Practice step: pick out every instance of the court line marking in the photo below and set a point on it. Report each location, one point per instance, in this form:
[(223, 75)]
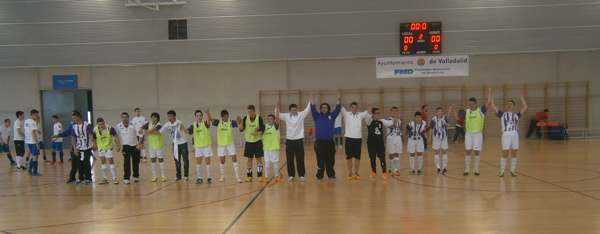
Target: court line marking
[(252, 201), (541, 180)]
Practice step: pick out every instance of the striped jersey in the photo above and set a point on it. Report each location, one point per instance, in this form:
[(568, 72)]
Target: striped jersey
[(395, 131), (416, 131), (509, 121), (81, 133), (439, 126)]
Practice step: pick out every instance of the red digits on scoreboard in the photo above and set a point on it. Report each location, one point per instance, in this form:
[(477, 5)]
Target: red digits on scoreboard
[(409, 40), (436, 38), (405, 48), (418, 26), (421, 36), (436, 47)]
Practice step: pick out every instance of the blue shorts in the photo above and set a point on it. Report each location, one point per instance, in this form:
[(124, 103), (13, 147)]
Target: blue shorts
[(337, 131), (42, 146), (4, 149), (57, 146), (33, 150)]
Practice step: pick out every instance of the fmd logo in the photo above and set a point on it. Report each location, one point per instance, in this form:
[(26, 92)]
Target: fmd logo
[(403, 71)]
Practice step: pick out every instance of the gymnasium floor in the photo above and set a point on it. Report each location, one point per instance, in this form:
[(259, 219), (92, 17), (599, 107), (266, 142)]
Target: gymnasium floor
[(557, 191)]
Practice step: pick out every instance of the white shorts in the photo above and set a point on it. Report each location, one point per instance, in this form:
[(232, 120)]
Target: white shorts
[(203, 152), (474, 141), (223, 151), (510, 140), (272, 155), (440, 143), (394, 145), (160, 153), (105, 153), (415, 145)]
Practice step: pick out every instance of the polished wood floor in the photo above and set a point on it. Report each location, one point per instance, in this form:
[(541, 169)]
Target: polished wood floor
[(557, 191)]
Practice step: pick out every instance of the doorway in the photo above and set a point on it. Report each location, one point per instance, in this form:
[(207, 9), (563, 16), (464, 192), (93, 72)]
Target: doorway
[(62, 103)]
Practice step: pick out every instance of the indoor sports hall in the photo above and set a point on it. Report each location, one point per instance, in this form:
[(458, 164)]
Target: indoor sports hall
[(123, 116)]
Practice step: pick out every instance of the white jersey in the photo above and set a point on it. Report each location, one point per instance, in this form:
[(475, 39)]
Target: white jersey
[(353, 123), (509, 121), (40, 134), (174, 129), (338, 122), (127, 134), (138, 122), (395, 131), (5, 132), (57, 130), (18, 125), (29, 126)]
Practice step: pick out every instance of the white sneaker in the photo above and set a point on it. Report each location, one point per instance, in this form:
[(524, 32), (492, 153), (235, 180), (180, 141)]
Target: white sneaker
[(302, 179), (291, 179), (126, 182), (185, 179), (222, 179), (239, 180), (136, 179)]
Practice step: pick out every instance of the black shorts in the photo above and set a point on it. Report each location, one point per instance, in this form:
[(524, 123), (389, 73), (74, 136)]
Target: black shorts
[(20, 148), (353, 148), (254, 150)]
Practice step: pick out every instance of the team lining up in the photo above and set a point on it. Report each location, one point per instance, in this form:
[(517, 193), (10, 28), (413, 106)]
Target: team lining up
[(262, 141)]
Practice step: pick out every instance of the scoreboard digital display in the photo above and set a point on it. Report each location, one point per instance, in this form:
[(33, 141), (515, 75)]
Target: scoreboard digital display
[(421, 38)]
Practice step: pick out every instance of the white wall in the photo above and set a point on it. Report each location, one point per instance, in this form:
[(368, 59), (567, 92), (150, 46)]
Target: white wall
[(187, 87)]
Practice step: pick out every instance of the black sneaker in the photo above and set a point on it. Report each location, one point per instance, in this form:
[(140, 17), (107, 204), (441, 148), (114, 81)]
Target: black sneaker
[(476, 172), (439, 171), (70, 181), (444, 171), (466, 172), (319, 179)]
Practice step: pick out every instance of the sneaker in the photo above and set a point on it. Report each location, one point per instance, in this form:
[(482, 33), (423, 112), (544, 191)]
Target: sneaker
[(185, 179), (384, 176), (357, 177), (222, 179), (420, 172), (154, 179), (397, 173), (277, 179), (444, 171), (350, 177), (513, 174), (439, 171), (60, 163), (265, 180), (373, 174), (427, 149), (176, 179), (466, 172), (78, 182), (248, 179), (501, 174), (260, 178), (164, 179), (209, 181), (136, 179), (291, 179), (126, 182), (103, 181), (339, 146), (115, 181), (302, 179), (199, 181), (239, 180), (319, 179), (145, 160), (88, 182), (53, 162), (36, 174), (70, 181), (13, 163), (476, 172), (411, 172), (333, 178)]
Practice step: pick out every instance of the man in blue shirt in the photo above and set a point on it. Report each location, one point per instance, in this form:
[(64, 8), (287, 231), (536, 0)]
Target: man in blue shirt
[(324, 144)]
